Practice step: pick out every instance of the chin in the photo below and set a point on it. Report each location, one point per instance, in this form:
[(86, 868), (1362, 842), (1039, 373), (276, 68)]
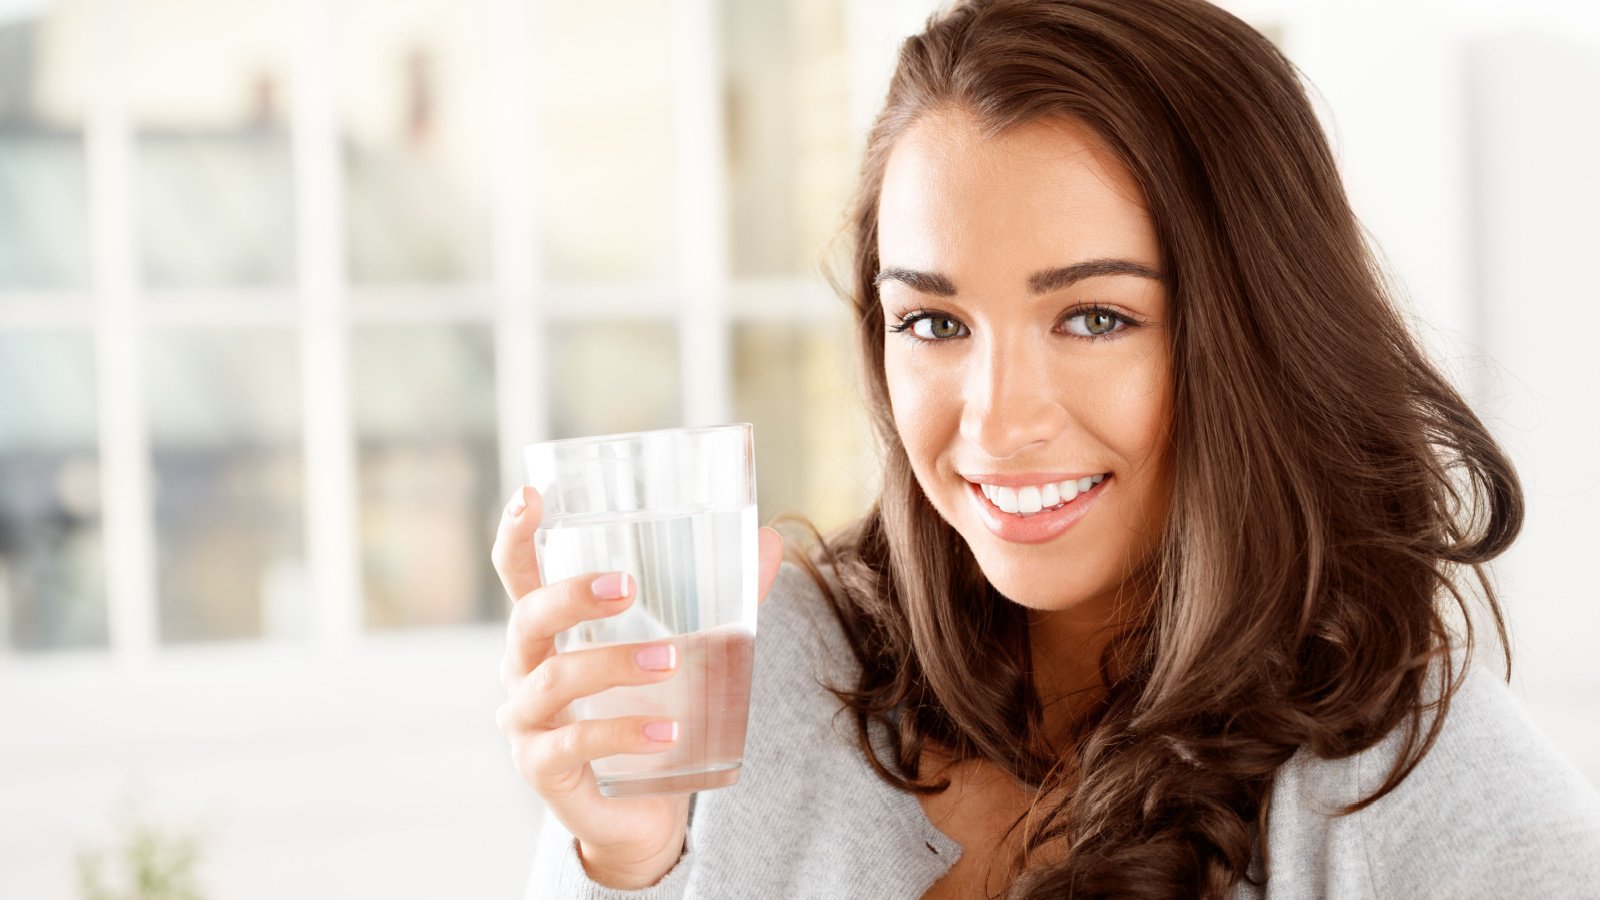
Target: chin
[(1026, 583)]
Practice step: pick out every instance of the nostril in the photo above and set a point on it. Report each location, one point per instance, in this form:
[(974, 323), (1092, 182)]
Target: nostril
[(1018, 425)]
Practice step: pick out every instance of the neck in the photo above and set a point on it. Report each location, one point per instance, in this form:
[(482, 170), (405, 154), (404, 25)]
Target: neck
[(1066, 647)]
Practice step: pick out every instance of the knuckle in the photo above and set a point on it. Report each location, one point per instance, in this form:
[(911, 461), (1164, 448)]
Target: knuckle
[(539, 766), (578, 591), (547, 679), (629, 732), (523, 622), (526, 610), (623, 667), (570, 741), (514, 621)]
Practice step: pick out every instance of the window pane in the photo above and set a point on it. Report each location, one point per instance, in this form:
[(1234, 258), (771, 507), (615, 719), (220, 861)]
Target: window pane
[(44, 225), (225, 439), (414, 104), (608, 377), (790, 160), (210, 86), (425, 413), (814, 455), (52, 578), (606, 166)]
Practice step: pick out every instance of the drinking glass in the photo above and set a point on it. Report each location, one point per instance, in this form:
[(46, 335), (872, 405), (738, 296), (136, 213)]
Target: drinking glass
[(675, 509)]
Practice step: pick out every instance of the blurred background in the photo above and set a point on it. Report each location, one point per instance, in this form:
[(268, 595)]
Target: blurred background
[(284, 285)]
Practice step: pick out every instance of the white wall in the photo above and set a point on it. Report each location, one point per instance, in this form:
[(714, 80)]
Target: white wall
[(1466, 133), (1535, 140), (376, 774)]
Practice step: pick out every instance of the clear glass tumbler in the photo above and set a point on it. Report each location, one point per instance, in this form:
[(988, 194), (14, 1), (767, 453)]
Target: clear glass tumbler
[(676, 509)]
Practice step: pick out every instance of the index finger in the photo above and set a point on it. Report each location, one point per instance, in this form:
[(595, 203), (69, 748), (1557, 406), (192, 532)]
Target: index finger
[(535, 622), (513, 555)]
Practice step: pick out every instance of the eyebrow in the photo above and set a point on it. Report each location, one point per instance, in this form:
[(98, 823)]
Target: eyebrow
[(1039, 282)]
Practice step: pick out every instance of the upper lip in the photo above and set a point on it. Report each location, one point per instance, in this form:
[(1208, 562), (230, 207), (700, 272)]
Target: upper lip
[(1025, 479)]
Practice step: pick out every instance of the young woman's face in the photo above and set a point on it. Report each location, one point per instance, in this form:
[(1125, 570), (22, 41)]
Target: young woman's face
[(1034, 352)]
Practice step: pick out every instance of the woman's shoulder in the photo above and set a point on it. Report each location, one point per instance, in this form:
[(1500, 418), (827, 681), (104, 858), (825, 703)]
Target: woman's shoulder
[(825, 824), (1492, 804), (796, 624)]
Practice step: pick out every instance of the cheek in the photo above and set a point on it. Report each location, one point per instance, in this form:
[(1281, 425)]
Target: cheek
[(1138, 422), (1124, 398), (921, 402)]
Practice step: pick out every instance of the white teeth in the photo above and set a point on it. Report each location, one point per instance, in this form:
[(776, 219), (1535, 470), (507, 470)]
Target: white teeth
[(1028, 501), (1050, 495), (1005, 498)]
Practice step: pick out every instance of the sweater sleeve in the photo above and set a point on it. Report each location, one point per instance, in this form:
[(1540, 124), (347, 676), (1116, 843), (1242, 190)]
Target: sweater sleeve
[(558, 872), (1497, 811)]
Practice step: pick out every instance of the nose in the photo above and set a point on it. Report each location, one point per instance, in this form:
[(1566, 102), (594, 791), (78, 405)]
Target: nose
[(1012, 400)]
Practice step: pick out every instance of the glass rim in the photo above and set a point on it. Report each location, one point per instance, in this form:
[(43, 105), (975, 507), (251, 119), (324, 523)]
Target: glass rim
[(635, 435)]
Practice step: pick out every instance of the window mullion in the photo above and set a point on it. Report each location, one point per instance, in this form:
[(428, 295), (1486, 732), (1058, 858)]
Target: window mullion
[(522, 409), (124, 432), (702, 213), (331, 536)]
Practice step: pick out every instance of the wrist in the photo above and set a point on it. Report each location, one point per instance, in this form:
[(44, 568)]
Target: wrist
[(630, 874)]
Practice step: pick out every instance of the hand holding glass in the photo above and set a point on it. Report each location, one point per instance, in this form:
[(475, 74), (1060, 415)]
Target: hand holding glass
[(675, 509)]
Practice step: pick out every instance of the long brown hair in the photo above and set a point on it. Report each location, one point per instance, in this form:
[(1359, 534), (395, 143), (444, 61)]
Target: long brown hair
[(1327, 481)]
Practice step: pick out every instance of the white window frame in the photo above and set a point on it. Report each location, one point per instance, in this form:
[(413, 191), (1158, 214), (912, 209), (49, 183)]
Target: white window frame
[(322, 307)]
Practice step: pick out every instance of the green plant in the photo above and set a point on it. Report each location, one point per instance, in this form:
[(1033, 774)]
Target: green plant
[(150, 864)]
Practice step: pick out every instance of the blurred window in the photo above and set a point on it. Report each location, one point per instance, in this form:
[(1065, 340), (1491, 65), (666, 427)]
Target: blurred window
[(413, 102), (210, 85), (225, 429), (424, 409), (795, 385), (400, 392), (790, 162), (44, 221), (51, 567), (606, 171), (610, 377)]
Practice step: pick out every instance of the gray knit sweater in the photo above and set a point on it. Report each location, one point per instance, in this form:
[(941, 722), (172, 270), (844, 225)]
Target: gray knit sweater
[(1493, 811)]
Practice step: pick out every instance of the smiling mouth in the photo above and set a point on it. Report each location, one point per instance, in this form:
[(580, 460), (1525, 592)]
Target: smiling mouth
[(1032, 500)]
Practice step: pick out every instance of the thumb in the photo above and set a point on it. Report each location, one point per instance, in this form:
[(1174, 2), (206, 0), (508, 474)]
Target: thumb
[(770, 553)]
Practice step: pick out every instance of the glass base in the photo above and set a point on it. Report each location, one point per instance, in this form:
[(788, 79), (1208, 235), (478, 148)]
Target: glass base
[(651, 784)]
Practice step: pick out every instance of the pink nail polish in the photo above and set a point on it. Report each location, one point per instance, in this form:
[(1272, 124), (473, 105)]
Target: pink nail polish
[(661, 731), (611, 586), (656, 656)]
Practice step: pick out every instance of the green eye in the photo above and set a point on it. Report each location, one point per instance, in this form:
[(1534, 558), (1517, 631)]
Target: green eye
[(1100, 324), (939, 328)]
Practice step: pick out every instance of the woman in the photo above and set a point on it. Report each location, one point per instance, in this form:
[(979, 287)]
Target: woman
[(1152, 601)]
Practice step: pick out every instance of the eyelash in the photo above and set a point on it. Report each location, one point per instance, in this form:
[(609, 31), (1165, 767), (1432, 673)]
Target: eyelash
[(908, 319)]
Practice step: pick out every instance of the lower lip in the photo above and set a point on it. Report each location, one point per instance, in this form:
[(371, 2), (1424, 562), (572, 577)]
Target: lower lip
[(1039, 527)]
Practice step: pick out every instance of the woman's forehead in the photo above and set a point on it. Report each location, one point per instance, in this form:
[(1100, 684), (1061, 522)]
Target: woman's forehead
[(1040, 195)]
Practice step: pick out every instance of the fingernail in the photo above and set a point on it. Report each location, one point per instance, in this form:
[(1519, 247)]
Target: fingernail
[(661, 731), (611, 586), (655, 656), (518, 504)]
